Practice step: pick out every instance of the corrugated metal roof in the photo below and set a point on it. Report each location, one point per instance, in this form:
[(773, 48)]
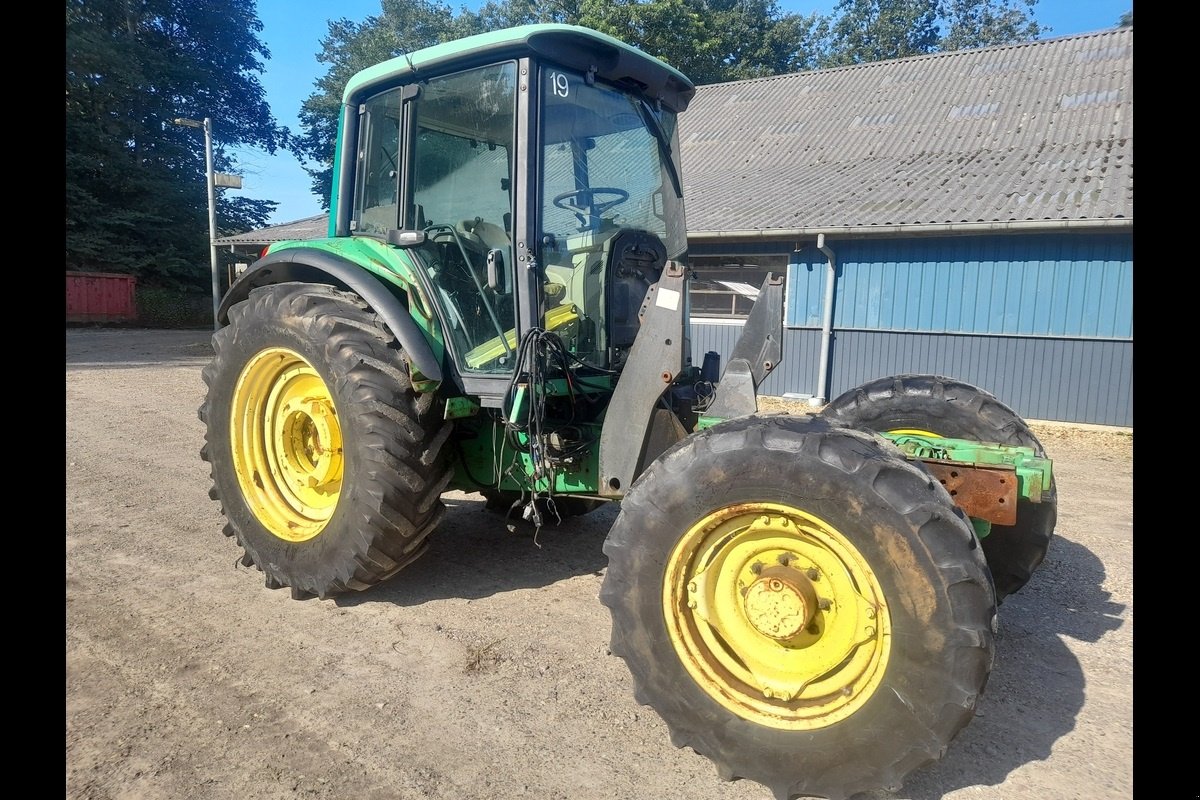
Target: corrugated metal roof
[(1027, 133), (308, 228)]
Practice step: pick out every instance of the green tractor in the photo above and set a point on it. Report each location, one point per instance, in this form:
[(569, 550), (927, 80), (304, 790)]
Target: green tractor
[(501, 307)]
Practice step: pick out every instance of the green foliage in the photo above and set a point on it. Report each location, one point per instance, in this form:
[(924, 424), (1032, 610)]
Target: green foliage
[(972, 23), (136, 192), (874, 30), (711, 40), (1126, 20)]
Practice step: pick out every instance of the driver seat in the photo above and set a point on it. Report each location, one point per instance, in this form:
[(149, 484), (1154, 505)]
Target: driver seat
[(492, 235)]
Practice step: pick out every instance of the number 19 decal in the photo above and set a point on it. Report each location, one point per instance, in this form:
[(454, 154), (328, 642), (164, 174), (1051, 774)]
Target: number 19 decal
[(559, 85)]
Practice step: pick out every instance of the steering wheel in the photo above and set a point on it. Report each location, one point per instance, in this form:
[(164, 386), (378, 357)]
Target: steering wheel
[(596, 208)]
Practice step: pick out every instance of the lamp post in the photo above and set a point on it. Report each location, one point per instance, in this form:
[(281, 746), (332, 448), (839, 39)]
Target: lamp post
[(212, 208)]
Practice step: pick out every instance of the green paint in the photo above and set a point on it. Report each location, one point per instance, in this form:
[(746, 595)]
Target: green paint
[(491, 459), (459, 407), (518, 412), (337, 175), (397, 268), (982, 527)]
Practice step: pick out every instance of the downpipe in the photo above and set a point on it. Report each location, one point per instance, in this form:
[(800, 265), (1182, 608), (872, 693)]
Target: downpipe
[(822, 395)]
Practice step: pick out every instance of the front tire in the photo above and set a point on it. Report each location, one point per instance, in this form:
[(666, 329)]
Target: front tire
[(800, 604), (948, 408), (328, 465)]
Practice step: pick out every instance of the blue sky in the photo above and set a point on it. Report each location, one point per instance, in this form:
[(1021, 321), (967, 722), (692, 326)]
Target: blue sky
[(292, 31)]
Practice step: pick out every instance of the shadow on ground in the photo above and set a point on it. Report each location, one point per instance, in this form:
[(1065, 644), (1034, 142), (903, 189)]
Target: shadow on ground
[(1037, 685), (473, 555)]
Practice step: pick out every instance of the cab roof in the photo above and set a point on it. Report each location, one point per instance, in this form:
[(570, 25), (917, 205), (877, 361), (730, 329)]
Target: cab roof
[(569, 46)]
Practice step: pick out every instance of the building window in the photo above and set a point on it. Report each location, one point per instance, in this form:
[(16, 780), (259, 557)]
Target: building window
[(725, 287)]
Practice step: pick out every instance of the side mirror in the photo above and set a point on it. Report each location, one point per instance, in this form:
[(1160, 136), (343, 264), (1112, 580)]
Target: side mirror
[(495, 271), (399, 238)]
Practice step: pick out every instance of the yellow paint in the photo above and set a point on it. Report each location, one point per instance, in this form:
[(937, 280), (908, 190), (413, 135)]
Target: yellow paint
[(914, 432), (776, 616), (287, 444), (493, 349)]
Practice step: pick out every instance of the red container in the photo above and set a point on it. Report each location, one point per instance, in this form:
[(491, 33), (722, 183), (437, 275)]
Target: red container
[(101, 297)]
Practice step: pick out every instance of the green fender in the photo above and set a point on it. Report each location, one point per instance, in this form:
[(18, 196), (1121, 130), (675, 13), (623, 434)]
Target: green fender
[(311, 265)]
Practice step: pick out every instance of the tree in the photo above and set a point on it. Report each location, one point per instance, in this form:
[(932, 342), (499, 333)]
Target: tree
[(983, 23), (136, 193), (712, 41), (402, 27), (1126, 20), (873, 30)]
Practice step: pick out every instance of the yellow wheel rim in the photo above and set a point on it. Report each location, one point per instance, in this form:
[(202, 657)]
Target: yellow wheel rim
[(287, 444), (914, 432), (777, 616)]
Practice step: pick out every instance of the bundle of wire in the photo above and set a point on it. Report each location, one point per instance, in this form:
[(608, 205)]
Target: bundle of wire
[(542, 356)]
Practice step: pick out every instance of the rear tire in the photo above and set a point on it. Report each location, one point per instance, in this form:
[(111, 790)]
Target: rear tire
[(801, 605), (950, 408), (328, 465)]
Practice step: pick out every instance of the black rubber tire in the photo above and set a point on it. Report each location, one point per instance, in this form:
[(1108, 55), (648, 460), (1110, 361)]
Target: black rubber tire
[(942, 603), (959, 410), (395, 466), (501, 502)]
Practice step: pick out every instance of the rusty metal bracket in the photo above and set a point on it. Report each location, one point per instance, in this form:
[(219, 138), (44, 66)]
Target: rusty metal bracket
[(984, 492)]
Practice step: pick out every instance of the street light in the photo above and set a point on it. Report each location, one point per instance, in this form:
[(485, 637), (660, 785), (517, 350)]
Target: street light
[(212, 207)]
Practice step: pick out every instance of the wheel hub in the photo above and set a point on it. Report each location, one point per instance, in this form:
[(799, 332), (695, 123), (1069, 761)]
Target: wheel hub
[(781, 603)]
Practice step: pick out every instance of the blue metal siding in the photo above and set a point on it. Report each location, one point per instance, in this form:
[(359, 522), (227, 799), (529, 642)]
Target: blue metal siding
[(805, 288), (1072, 380), (1043, 321), (797, 370), (1059, 285)]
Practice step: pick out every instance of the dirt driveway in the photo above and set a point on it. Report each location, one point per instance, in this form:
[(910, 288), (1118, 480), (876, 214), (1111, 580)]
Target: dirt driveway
[(482, 671)]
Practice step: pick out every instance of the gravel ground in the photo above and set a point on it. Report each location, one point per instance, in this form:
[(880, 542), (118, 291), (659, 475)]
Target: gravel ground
[(481, 671)]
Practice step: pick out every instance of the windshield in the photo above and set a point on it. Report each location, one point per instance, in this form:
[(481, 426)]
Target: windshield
[(602, 167), (606, 171)]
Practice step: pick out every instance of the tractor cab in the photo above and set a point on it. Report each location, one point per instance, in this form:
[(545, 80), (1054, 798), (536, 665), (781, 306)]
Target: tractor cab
[(532, 176)]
